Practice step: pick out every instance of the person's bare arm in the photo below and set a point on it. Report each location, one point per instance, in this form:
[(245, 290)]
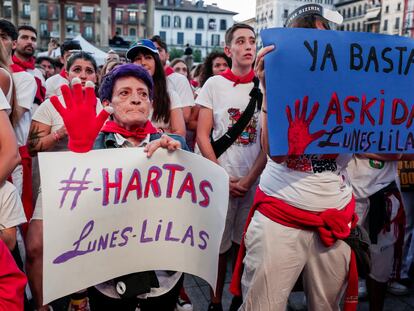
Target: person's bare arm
[(8, 236), (177, 123), (382, 156), (407, 157), (192, 123), (9, 154), (41, 137)]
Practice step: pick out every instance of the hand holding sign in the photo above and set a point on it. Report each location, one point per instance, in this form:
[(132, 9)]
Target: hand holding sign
[(79, 117), (298, 132)]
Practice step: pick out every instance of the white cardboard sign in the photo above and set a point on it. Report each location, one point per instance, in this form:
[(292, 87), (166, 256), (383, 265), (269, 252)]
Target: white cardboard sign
[(112, 212)]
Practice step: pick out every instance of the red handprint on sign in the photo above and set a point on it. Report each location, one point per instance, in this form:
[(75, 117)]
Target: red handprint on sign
[(298, 133), (79, 116)]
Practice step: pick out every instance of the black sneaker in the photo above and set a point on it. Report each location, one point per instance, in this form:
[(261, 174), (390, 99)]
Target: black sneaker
[(236, 302), (215, 307)]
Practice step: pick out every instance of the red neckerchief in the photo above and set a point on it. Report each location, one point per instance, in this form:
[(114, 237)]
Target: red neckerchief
[(15, 68), (140, 133), (229, 75), (168, 70), (64, 74), (30, 64), (331, 225)]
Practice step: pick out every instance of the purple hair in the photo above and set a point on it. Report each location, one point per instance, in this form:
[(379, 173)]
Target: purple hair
[(126, 70)]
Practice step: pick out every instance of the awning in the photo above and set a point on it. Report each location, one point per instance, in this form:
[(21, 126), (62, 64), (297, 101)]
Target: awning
[(373, 13)]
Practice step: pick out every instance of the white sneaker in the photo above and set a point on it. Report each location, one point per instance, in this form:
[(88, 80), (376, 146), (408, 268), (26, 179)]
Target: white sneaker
[(362, 289), (397, 289)]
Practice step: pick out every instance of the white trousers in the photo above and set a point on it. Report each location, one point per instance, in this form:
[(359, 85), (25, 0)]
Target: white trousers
[(275, 257)]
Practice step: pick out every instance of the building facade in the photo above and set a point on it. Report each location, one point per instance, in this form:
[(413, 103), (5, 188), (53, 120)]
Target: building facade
[(183, 22), (392, 16), (80, 18), (408, 21), (273, 13)]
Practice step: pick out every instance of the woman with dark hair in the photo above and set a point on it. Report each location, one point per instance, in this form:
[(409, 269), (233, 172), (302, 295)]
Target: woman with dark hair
[(167, 113), (48, 133), (180, 67), (214, 64)]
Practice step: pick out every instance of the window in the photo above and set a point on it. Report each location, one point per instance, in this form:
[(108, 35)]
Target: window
[(359, 26), (88, 32), (212, 24), (349, 12), (118, 30), (43, 11), (132, 17), (223, 24), (215, 40), (353, 27), (43, 30), (387, 9), (200, 23), (397, 23), (118, 15), (180, 38), (177, 22), (26, 9), (189, 23), (360, 10), (163, 36), (132, 32), (285, 13), (165, 21), (70, 12), (399, 6), (385, 25), (354, 11), (198, 39)]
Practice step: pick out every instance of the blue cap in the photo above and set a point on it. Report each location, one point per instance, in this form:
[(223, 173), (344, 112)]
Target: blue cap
[(140, 45)]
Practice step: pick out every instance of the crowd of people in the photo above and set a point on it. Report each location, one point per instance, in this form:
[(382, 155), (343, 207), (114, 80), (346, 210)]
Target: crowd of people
[(287, 226)]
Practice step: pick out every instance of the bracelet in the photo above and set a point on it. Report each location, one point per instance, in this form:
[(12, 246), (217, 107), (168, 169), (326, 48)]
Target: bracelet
[(56, 136), (264, 110)]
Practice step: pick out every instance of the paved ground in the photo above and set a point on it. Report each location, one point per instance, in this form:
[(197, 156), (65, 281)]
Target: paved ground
[(199, 292)]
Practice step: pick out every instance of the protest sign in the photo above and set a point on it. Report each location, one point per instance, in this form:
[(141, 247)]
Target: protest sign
[(332, 92), (112, 212), (406, 173)]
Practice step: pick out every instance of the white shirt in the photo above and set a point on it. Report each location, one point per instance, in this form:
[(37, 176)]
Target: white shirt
[(228, 102), (180, 84), (309, 182), (11, 208), (4, 103), (53, 85), (369, 176)]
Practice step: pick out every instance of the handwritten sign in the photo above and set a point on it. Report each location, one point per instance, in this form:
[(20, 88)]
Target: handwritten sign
[(113, 212), (339, 92), (406, 173)]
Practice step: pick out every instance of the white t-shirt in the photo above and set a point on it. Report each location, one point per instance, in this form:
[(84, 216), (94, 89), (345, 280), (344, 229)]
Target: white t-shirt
[(182, 87), (11, 208), (369, 176), (309, 182), (53, 85), (228, 102), (4, 103), (175, 104), (26, 86)]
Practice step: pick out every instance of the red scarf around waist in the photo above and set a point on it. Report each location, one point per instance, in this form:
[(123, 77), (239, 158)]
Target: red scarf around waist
[(229, 75), (331, 225), (140, 133)]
